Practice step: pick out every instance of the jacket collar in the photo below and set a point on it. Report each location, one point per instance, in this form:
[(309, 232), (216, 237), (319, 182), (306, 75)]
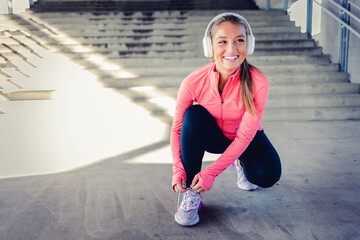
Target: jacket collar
[(215, 76)]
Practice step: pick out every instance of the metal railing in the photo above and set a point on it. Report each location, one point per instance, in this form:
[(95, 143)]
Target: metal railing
[(344, 23), (343, 19)]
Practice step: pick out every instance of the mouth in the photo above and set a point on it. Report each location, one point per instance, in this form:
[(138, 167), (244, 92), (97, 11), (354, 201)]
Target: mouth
[(231, 58)]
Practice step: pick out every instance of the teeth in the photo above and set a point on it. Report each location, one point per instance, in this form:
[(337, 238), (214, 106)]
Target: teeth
[(231, 58)]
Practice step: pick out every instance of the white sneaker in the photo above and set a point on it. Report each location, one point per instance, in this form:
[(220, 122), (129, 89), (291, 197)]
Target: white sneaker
[(242, 182), (187, 213)]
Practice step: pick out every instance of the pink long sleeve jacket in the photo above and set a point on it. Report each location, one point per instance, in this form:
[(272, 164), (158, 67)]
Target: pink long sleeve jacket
[(237, 124)]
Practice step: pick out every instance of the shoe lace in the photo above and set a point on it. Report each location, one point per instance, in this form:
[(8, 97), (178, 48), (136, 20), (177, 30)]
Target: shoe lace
[(189, 200), (179, 196)]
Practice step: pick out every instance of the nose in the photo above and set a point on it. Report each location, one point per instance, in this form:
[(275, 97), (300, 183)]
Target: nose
[(231, 48)]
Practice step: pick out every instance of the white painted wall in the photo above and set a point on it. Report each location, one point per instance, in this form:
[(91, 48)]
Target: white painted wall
[(18, 6), (3, 6)]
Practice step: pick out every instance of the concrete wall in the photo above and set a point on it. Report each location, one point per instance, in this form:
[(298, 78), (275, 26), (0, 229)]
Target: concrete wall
[(328, 39)]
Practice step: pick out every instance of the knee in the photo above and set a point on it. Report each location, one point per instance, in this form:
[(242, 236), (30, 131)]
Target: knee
[(265, 177), (195, 113)]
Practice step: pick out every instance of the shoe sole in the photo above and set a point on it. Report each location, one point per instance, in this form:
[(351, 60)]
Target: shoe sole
[(246, 189), (192, 223)]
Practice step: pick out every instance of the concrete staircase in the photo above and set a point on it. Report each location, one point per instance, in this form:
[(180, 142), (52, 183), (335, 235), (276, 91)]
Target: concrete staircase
[(159, 48)]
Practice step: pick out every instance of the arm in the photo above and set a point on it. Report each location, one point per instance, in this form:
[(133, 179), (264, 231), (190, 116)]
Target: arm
[(247, 130), (184, 100)]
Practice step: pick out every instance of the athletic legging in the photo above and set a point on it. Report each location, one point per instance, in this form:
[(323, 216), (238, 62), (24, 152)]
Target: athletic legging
[(200, 133)]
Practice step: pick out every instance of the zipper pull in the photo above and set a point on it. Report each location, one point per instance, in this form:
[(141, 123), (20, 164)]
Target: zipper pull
[(222, 101)]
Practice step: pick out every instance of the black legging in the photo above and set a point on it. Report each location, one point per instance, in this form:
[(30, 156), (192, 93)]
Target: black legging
[(200, 133)]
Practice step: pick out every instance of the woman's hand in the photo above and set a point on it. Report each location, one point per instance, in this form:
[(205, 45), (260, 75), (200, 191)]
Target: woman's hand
[(177, 186), (195, 185)]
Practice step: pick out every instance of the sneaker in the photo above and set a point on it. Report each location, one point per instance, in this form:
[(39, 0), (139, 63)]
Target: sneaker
[(242, 182), (187, 213)]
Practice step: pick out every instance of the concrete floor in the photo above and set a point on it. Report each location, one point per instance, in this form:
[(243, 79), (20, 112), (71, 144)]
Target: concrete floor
[(128, 196)]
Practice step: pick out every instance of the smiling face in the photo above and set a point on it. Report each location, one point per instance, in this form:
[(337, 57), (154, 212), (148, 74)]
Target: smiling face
[(229, 47)]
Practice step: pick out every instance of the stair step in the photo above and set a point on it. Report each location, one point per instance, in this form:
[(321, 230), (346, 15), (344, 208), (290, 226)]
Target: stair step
[(163, 46), (184, 53), (22, 95), (149, 37), (312, 114), (284, 101), (184, 71), (80, 30), (313, 88), (296, 101), (175, 81), (160, 25), (282, 20), (248, 14), (258, 61), (174, 13)]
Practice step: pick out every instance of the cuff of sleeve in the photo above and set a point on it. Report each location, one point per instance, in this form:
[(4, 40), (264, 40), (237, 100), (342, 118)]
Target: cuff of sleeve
[(206, 181), (177, 178)]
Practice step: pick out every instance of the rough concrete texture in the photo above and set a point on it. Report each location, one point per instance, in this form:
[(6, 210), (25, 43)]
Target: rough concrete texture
[(129, 197)]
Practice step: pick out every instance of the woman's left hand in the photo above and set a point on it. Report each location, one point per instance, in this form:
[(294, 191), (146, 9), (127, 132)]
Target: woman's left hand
[(195, 185)]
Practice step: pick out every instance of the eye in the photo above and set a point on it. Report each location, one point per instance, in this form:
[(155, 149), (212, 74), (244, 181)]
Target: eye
[(222, 42), (240, 40)]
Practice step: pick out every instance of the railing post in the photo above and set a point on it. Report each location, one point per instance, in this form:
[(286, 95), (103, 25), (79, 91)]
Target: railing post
[(285, 5), (344, 39), (309, 11), (10, 6), (267, 5)]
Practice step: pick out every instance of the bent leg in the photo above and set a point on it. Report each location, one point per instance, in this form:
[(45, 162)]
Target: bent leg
[(261, 162), (199, 132)]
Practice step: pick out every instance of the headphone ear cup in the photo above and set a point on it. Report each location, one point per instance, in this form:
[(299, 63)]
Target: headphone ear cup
[(207, 47), (251, 46)]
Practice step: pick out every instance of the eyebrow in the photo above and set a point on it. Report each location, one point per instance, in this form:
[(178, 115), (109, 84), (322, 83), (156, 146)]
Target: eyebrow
[(226, 37)]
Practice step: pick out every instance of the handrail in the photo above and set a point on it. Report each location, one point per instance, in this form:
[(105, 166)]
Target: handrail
[(345, 10), (345, 27), (354, 5), (337, 18)]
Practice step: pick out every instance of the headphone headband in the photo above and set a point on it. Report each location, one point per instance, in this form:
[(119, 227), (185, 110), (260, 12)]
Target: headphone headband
[(207, 43)]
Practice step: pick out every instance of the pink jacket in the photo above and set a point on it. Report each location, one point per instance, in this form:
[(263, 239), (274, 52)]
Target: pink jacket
[(201, 86)]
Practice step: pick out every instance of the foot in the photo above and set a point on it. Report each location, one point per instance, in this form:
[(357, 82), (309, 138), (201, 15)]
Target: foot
[(187, 213), (242, 182)]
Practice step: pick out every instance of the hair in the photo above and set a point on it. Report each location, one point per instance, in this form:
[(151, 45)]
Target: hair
[(246, 85)]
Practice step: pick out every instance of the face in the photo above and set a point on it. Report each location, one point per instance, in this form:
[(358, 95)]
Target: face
[(229, 47)]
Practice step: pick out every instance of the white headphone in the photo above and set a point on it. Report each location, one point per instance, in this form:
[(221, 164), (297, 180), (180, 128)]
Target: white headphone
[(207, 44)]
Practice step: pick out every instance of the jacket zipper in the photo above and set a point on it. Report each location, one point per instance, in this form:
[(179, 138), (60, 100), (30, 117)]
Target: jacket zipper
[(221, 113)]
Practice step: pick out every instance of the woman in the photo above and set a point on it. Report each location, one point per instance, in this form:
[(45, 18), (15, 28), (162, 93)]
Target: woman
[(231, 96)]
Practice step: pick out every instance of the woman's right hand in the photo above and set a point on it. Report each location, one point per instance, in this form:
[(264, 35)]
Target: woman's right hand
[(183, 188)]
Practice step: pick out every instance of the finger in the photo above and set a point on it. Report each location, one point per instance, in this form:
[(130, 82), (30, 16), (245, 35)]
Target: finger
[(194, 181), (198, 188), (183, 183), (176, 188)]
